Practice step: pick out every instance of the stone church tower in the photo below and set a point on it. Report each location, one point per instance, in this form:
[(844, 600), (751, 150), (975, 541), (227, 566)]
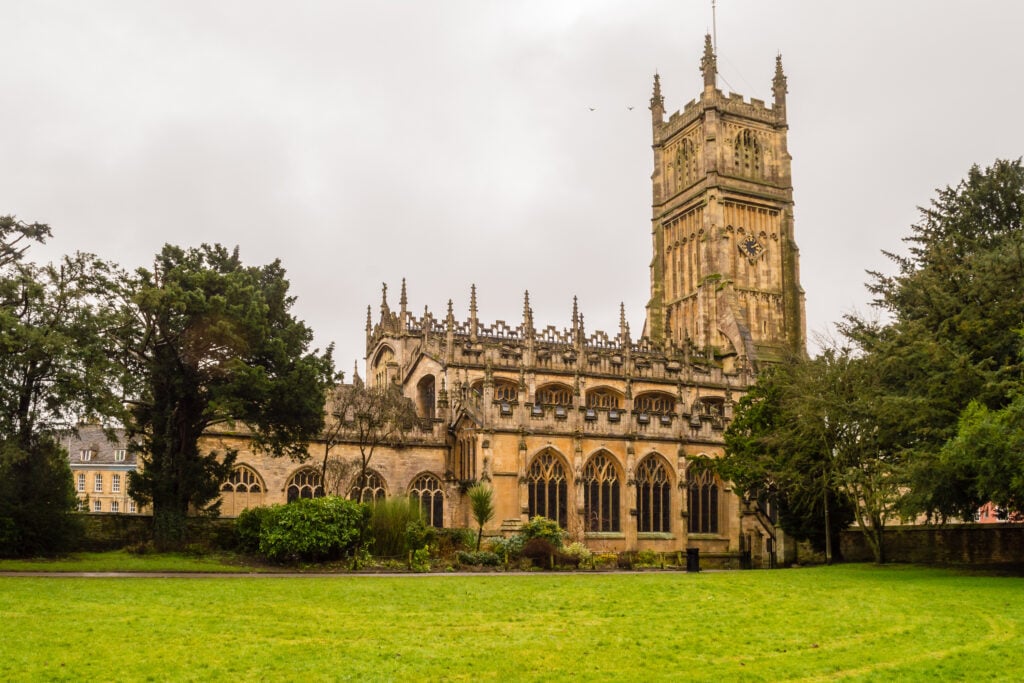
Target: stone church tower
[(725, 272)]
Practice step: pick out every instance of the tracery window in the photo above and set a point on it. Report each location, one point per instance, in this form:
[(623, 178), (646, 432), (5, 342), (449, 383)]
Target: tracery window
[(658, 404), (713, 407), (381, 379), (426, 491), (367, 488), (306, 483), (425, 394), (603, 398), (465, 457), (703, 502), (652, 495), (554, 395), (548, 488), (244, 489), (507, 392), (747, 154), (686, 163), (601, 494)]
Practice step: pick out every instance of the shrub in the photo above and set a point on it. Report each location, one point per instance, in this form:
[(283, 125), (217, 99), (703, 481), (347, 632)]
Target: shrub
[(248, 526), (647, 558), (418, 535), (579, 551), (313, 529), (389, 523), (483, 558), (508, 548), (540, 551), (547, 529), (451, 540), (421, 560)]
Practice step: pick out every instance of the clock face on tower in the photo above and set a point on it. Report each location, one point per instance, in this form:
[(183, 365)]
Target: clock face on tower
[(750, 247)]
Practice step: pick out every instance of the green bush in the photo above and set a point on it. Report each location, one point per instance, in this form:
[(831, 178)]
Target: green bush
[(541, 552), (248, 526), (389, 526), (313, 529), (647, 558), (451, 540), (508, 549), (579, 551), (421, 560), (483, 558), (419, 535), (542, 527)]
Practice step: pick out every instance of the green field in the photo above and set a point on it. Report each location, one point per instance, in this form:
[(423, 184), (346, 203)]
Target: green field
[(855, 622)]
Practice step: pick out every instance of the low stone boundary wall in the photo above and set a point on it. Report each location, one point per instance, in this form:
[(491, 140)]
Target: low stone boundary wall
[(971, 544), (114, 531)]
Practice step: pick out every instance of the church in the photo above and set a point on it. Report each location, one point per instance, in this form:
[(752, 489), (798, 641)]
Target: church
[(598, 431)]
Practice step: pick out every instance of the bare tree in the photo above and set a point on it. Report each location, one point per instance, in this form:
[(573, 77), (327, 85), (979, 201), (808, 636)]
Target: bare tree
[(367, 417)]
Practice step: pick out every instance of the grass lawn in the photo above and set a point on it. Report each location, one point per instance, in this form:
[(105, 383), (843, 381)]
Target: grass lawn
[(122, 561), (856, 622)]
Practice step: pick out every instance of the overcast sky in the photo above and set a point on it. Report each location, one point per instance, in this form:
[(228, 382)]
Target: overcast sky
[(453, 143)]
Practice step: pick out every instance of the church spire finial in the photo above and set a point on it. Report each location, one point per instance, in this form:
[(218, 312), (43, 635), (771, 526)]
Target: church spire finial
[(384, 309), (472, 313), (709, 62), (369, 324), (403, 300), (657, 101), (623, 325), (779, 88)]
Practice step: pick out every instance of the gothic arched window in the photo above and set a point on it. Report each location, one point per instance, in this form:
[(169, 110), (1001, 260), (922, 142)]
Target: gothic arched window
[(652, 495), (505, 391), (554, 395), (603, 398), (548, 488), (425, 397), (381, 379), (686, 163), (306, 483), (243, 489), (747, 154), (367, 488), (465, 458), (601, 493), (655, 403), (426, 490), (703, 502)]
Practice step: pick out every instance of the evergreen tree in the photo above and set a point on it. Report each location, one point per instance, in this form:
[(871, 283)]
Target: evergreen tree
[(54, 370), (209, 341), (956, 306)]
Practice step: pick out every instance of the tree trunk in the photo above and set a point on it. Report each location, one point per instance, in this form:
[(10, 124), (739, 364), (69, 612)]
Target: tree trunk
[(169, 527)]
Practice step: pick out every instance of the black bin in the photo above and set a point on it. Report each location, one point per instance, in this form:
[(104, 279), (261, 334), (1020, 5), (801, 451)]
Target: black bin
[(693, 560)]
